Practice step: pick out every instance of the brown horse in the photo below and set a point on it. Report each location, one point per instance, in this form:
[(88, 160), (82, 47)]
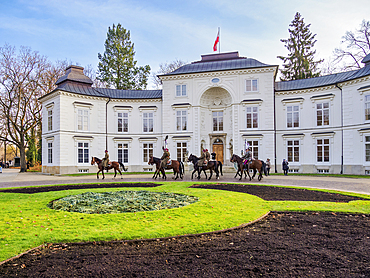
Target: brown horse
[(176, 165), (117, 166), (255, 165)]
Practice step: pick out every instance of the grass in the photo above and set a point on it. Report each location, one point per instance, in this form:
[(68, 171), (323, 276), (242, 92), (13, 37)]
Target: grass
[(27, 222)]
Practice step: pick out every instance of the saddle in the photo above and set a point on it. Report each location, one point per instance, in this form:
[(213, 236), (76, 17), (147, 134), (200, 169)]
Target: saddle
[(169, 162)]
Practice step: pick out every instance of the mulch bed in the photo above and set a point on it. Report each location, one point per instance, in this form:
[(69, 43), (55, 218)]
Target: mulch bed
[(271, 193), (39, 189), (283, 244)]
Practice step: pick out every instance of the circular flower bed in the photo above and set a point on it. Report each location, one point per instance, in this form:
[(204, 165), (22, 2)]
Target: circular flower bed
[(121, 201)]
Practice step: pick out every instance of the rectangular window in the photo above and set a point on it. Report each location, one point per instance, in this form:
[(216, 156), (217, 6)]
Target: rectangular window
[(218, 121), (252, 117), (148, 120), (181, 151), (181, 120), (367, 148), (50, 152), (82, 152), (50, 120), (82, 119), (251, 85), (292, 116), (367, 108), (180, 90), (123, 153), (253, 145), (147, 151), (322, 150), (293, 150), (322, 113), (122, 122)]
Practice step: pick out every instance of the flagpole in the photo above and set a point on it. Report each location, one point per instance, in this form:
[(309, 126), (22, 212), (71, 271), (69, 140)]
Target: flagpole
[(219, 41)]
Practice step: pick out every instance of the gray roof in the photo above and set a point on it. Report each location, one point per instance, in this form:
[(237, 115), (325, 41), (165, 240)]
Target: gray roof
[(108, 93), (205, 66), (321, 81)]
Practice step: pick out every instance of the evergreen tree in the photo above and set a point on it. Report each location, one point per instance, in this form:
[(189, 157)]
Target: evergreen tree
[(117, 67), (300, 62)]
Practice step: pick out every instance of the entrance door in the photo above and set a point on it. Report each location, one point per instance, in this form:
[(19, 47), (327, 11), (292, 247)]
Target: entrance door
[(219, 150)]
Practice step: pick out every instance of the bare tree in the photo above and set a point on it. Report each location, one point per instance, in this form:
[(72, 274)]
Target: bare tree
[(357, 46), (166, 68), (24, 77)]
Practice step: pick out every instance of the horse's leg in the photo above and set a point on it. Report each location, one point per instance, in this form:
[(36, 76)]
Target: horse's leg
[(210, 174), (97, 174), (205, 173)]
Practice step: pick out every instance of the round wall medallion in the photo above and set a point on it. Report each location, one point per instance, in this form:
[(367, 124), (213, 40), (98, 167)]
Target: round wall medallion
[(215, 80)]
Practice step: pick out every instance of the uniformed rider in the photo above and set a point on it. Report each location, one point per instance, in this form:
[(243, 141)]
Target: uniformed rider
[(105, 160), (165, 157), (204, 158), (247, 156)]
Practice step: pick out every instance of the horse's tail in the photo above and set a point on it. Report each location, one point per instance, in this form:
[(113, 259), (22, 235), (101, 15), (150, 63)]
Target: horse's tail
[(220, 164), (123, 166), (182, 168)]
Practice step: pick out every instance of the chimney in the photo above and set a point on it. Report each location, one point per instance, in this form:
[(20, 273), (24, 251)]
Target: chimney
[(366, 60), (74, 75)]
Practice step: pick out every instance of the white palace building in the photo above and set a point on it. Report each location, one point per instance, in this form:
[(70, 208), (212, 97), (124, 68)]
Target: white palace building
[(222, 102)]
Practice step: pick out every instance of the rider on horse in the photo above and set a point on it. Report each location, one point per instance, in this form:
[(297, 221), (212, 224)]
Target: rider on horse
[(165, 157), (204, 158), (247, 156), (105, 160)]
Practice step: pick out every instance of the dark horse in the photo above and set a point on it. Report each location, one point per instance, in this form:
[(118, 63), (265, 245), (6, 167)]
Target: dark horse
[(176, 165), (117, 166), (255, 165), (211, 166)]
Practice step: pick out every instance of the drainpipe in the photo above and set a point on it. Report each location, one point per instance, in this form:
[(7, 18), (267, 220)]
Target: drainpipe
[(341, 124), (275, 131), (106, 123)]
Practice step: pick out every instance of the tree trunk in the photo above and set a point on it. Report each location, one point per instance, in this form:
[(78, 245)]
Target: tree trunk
[(22, 151), (5, 152)]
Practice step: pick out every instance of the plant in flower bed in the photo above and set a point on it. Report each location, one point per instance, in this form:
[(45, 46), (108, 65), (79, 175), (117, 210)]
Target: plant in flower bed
[(121, 201)]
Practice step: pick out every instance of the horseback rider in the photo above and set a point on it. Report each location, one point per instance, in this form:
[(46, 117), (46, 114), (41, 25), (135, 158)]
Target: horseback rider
[(165, 157), (105, 160), (247, 156), (204, 158)]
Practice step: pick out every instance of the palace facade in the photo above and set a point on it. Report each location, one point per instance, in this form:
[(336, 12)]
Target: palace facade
[(222, 103)]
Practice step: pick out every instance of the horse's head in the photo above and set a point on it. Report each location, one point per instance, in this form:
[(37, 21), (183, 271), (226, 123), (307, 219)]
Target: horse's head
[(233, 158), (151, 160), (92, 160)]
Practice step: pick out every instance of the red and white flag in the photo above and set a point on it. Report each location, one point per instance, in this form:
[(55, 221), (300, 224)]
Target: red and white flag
[(216, 41)]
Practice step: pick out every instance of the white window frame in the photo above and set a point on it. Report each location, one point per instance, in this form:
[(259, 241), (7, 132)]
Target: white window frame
[(49, 113), (293, 146), (148, 150), (320, 100), (50, 151), (255, 148), (254, 111), (181, 90), (148, 122), (367, 107), (182, 150), (325, 142), (124, 147), (293, 110), (123, 116), (85, 108), (251, 85), (182, 118), (292, 138), (322, 109), (217, 118), (50, 119), (83, 147)]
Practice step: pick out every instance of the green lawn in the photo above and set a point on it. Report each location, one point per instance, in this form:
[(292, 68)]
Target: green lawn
[(27, 222)]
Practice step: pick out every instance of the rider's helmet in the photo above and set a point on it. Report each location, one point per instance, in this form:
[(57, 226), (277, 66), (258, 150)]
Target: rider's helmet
[(106, 151), (166, 149), (206, 150)]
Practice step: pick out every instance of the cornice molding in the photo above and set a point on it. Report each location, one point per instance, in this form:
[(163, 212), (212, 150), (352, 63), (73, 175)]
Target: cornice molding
[(218, 73)]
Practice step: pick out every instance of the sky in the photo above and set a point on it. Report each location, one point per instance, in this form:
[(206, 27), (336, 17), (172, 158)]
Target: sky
[(162, 31)]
